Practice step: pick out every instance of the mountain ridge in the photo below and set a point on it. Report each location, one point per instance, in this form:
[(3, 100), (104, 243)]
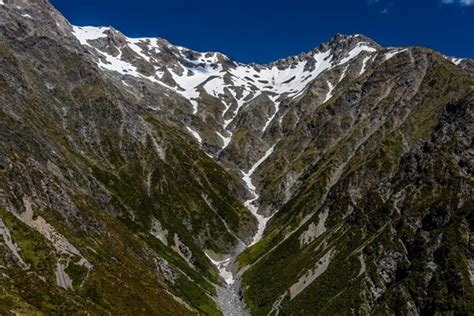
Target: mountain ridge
[(334, 39)]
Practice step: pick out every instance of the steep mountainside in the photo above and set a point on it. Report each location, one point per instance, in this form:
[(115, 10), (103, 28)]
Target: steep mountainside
[(103, 197), (137, 176), (379, 216)]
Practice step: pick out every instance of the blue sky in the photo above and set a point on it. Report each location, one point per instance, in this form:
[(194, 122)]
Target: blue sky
[(264, 30)]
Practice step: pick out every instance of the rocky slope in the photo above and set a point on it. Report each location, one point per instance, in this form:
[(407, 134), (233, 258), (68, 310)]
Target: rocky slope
[(378, 218), (137, 176)]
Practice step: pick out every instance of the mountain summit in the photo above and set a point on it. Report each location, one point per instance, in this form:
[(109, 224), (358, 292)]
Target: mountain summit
[(140, 177)]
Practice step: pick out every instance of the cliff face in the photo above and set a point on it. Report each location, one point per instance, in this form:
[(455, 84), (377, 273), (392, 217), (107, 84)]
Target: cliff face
[(133, 172)]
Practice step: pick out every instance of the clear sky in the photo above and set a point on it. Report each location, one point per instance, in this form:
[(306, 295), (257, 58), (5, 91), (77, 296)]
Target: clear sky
[(264, 30)]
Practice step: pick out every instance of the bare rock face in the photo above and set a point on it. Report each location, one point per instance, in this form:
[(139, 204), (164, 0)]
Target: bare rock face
[(335, 181)]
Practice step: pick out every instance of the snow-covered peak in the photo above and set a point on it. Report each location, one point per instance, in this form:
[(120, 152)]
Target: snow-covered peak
[(88, 33), (190, 73), (455, 61)]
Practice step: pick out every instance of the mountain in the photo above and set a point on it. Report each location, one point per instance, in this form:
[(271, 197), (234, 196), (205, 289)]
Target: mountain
[(137, 176)]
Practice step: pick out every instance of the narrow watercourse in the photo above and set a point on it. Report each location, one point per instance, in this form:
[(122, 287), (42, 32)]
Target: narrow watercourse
[(229, 295)]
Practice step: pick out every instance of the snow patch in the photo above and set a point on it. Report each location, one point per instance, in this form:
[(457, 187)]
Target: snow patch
[(133, 44), (204, 71), (456, 61), (225, 140), (88, 33), (191, 78), (195, 134), (222, 267), (359, 48), (116, 64), (364, 65), (248, 176), (277, 109), (393, 53), (343, 75), (329, 94)]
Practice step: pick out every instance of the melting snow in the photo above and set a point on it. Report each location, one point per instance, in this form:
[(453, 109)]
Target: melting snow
[(88, 33), (359, 48), (343, 75), (133, 44), (277, 108), (222, 267), (364, 65), (393, 53), (247, 178), (290, 80), (225, 140), (195, 134), (243, 82), (215, 87), (456, 61), (116, 64), (329, 94), (112, 63), (191, 79)]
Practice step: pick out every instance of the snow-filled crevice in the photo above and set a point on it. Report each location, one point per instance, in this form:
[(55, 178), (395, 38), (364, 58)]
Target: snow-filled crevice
[(247, 178), (225, 139), (393, 52), (195, 134), (329, 94), (222, 267), (364, 65)]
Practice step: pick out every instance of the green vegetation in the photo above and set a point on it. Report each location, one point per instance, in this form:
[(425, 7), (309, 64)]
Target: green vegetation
[(396, 179), (386, 159)]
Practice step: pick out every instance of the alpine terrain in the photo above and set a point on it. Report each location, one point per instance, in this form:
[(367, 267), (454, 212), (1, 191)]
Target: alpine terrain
[(140, 177)]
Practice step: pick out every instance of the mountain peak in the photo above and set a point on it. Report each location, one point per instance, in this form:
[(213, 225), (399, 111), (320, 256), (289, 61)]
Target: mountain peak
[(188, 72)]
